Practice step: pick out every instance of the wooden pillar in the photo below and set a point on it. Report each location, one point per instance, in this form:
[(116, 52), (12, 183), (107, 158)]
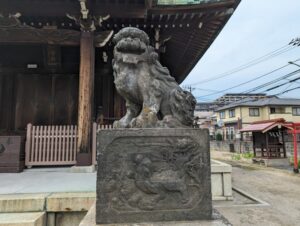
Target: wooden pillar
[(295, 140), (283, 144), (267, 145), (86, 99)]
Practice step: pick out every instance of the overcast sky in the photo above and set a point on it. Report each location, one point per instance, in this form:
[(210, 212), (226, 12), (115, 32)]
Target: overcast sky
[(256, 28)]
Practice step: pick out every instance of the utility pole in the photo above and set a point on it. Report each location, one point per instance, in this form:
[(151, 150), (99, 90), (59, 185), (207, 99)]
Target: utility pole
[(189, 88), (291, 62), (295, 42)]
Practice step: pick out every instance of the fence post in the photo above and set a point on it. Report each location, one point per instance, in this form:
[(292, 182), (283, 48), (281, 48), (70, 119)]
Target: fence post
[(28, 145)]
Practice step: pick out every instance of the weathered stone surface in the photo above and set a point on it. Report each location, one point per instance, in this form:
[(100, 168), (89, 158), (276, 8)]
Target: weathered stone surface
[(23, 219), (153, 97), (148, 175), (221, 185), (83, 169), (217, 220), (70, 202), (22, 203)]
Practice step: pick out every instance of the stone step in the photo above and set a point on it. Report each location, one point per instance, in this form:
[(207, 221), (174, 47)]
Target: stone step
[(23, 219), (18, 203), (56, 202)]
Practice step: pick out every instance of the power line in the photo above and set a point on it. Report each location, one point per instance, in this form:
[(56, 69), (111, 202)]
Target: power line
[(251, 80), (249, 64), (293, 43), (286, 91), (273, 81), (207, 90)]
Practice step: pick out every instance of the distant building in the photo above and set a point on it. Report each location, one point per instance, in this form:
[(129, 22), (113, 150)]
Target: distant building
[(206, 106), (235, 97), (235, 116), (206, 120)]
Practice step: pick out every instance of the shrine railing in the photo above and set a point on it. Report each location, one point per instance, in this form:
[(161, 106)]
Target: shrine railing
[(55, 145), (50, 145)]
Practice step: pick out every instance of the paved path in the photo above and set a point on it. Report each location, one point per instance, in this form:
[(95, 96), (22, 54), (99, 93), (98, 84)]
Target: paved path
[(46, 180), (278, 188)]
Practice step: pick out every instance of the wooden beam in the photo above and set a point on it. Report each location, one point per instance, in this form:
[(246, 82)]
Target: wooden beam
[(62, 37), (166, 9), (86, 98), (39, 36), (60, 8)]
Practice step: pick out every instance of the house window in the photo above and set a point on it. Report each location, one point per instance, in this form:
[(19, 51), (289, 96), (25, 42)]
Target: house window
[(277, 110), (296, 111), (254, 112), (231, 113), (222, 114)]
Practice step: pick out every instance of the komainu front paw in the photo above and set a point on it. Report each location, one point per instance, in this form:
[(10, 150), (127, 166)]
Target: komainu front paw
[(121, 124), (145, 120)]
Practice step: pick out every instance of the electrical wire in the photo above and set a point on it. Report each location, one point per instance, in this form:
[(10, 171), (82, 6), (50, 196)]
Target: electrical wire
[(272, 82), (286, 91), (249, 64), (243, 83)]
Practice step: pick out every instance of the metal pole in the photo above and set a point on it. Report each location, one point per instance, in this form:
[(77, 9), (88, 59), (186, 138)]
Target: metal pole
[(296, 170)]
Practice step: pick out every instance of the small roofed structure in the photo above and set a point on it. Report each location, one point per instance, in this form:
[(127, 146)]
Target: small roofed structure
[(268, 138)]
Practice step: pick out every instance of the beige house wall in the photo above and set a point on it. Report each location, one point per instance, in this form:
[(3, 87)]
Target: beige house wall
[(243, 114)]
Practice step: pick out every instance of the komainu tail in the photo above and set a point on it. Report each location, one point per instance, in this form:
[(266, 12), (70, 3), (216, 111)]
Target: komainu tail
[(182, 105)]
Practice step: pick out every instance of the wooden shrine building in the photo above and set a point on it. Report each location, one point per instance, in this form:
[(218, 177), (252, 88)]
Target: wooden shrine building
[(55, 56), (268, 138)]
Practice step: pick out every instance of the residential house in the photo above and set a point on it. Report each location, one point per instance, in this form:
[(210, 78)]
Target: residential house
[(235, 116)]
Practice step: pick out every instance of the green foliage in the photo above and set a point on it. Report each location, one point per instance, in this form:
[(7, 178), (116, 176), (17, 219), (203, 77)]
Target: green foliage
[(291, 159), (219, 137), (248, 155), (236, 157)]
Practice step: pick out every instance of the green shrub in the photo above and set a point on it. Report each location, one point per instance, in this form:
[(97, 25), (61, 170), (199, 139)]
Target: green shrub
[(248, 155), (219, 137), (236, 157)]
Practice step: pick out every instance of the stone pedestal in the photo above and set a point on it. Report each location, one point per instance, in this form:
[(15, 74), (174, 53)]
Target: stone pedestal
[(217, 220), (152, 175)]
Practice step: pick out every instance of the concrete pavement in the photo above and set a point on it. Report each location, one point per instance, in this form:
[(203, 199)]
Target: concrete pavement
[(280, 190), (43, 180)]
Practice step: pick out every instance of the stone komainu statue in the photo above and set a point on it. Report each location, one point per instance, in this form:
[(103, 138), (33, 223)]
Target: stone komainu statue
[(153, 98)]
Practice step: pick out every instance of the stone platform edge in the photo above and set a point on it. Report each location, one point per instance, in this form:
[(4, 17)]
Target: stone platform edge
[(218, 220)]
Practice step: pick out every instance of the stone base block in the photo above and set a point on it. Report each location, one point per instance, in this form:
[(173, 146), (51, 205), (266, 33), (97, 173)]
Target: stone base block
[(221, 180), (217, 220), (153, 175)]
